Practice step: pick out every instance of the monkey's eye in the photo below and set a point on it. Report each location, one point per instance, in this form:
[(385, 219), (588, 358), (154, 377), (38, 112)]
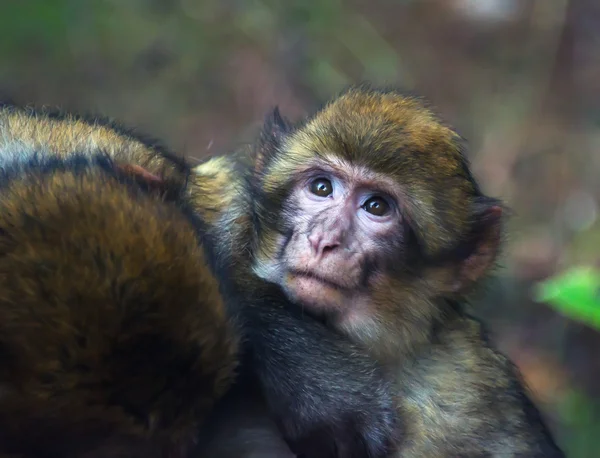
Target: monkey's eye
[(321, 187), (377, 206)]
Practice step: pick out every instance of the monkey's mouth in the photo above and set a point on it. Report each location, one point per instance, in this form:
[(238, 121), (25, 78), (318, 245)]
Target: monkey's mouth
[(315, 277)]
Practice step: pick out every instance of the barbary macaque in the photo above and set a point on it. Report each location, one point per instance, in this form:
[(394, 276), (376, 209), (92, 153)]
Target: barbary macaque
[(367, 216)]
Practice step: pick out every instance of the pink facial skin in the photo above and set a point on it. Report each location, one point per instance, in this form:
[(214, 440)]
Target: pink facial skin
[(341, 218)]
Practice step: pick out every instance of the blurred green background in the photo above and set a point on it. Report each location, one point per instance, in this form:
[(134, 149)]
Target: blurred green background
[(520, 79)]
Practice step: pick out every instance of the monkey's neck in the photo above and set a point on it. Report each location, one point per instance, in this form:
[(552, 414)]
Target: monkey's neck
[(400, 331)]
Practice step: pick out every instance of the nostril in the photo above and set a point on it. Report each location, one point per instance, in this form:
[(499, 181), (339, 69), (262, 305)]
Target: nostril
[(328, 248), (321, 245)]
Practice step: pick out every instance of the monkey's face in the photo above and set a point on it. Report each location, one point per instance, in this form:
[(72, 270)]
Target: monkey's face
[(368, 207), (340, 222)]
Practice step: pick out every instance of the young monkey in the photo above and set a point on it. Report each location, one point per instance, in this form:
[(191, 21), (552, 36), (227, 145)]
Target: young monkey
[(367, 216)]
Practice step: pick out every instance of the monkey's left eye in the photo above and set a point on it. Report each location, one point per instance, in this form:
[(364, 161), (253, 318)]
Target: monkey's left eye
[(321, 187), (377, 206)]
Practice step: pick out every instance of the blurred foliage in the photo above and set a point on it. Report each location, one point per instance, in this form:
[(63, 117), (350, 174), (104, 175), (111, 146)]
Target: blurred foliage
[(575, 293), (519, 78)]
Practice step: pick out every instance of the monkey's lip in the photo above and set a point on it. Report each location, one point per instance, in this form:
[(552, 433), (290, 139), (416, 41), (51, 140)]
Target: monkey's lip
[(319, 278)]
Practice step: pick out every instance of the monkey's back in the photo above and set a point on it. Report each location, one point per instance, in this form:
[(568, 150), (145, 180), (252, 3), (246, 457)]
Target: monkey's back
[(109, 317)]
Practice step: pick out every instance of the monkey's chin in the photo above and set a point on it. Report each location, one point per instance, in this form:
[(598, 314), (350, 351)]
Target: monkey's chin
[(314, 293)]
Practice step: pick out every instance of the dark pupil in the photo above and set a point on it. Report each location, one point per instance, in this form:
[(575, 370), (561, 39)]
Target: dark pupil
[(376, 206), (321, 187)]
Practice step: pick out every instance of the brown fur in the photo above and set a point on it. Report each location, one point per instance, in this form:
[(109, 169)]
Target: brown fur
[(113, 334)]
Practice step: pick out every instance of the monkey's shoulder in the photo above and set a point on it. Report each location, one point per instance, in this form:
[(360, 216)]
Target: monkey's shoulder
[(465, 394), (25, 132)]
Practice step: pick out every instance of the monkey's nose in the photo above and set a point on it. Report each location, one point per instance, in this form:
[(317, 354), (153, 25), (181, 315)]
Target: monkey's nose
[(322, 243)]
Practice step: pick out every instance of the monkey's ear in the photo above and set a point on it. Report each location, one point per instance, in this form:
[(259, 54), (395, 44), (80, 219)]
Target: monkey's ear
[(484, 245), (274, 131), (276, 127), (141, 175)]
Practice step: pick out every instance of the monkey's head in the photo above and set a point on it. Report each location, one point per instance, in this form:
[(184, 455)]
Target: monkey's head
[(369, 206)]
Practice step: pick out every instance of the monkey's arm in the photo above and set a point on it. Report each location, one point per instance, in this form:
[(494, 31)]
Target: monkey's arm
[(329, 399)]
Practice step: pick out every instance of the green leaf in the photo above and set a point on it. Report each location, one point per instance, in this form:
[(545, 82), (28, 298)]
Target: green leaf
[(575, 294)]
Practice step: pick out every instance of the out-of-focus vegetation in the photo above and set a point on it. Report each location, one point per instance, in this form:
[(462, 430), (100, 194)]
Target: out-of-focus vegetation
[(519, 78), (575, 293)]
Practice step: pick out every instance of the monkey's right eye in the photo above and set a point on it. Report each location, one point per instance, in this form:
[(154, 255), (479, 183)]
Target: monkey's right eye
[(321, 187)]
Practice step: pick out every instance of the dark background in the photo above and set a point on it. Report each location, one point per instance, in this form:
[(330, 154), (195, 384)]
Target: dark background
[(520, 80)]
